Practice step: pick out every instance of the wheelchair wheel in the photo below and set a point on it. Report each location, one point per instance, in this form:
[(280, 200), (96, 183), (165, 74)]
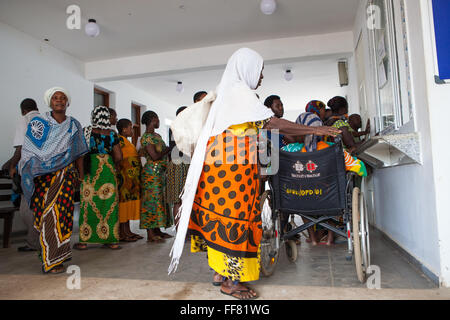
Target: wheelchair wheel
[(357, 235), (291, 250), (365, 243), (270, 241)]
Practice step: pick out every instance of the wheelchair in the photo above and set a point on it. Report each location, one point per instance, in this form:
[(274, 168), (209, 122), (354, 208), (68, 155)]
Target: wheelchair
[(315, 186)]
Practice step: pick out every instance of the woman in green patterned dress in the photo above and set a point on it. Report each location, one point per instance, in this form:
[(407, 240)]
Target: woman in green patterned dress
[(99, 207), (154, 209)]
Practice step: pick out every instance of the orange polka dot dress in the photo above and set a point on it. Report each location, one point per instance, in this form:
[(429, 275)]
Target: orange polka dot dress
[(226, 219)]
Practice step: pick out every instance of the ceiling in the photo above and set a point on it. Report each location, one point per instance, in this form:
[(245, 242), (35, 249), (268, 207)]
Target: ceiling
[(317, 79), (135, 27)]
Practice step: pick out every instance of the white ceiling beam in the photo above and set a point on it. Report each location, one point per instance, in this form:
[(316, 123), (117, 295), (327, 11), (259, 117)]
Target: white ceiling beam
[(212, 57)]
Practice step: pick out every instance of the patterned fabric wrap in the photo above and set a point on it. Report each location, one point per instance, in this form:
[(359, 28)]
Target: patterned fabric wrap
[(333, 119), (310, 119), (176, 177), (226, 219), (341, 123), (49, 146), (129, 179), (351, 163), (103, 144), (337, 122), (314, 106), (99, 210), (154, 210), (99, 120), (53, 205), (99, 214)]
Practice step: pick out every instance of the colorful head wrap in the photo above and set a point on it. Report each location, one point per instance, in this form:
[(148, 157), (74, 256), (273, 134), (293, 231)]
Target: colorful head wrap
[(99, 120), (50, 92), (100, 117), (314, 106)]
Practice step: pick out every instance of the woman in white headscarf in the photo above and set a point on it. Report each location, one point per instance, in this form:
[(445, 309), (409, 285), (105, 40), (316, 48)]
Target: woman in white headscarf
[(222, 184), (51, 166)]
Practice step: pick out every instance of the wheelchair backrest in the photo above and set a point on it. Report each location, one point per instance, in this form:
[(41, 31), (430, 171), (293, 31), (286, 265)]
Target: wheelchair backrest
[(311, 182)]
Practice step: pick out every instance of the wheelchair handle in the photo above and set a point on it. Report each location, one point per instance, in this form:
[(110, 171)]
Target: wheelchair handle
[(338, 139)]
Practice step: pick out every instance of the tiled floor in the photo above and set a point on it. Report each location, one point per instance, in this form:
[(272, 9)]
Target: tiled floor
[(316, 266)]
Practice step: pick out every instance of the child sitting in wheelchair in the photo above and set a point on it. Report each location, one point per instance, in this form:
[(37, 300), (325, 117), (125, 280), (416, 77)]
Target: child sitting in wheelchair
[(313, 117)]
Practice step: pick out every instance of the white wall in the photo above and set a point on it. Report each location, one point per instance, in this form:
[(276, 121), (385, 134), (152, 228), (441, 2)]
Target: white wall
[(313, 80), (405, 196), (438, 97), (124, 94), (352, 89), (28, 68)]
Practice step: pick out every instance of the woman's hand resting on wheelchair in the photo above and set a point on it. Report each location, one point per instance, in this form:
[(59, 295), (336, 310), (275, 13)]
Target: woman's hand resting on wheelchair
[(293, 129)]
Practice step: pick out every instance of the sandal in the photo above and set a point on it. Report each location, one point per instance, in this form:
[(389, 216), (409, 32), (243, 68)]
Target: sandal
[(128, 239), (112, 246), (156, 239), (217, 283), (165, 235), (58, 269), (80, 246), (239, 296)]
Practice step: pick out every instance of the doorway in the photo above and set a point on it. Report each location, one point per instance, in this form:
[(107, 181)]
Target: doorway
[(136, 120)]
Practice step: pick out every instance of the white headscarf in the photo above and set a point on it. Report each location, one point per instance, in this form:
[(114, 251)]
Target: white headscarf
[(236, 103), (50, 92)]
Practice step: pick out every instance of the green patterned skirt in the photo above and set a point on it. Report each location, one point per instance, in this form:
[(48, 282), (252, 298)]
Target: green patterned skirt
[(99, 210), (154, 208)]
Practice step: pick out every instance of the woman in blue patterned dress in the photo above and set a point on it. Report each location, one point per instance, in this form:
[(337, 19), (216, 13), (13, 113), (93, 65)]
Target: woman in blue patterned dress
[(51, 167)]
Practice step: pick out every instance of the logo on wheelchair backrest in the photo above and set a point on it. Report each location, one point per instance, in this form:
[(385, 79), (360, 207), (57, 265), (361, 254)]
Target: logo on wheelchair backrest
[(299, 167), (311, 166)]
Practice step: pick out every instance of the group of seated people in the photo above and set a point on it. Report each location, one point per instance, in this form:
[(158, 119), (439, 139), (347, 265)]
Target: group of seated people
[(317, 114)]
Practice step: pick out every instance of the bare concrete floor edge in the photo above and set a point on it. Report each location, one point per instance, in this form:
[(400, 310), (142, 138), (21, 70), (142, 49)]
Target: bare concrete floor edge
[(39, 287)]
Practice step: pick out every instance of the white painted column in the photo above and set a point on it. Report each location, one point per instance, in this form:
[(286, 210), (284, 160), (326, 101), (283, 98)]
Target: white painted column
[(438, 97)]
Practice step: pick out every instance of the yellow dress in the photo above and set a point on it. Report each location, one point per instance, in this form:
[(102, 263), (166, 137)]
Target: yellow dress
[(129, 176)]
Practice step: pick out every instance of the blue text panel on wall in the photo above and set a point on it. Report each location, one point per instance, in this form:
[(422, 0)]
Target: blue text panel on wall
[(441, 10)]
